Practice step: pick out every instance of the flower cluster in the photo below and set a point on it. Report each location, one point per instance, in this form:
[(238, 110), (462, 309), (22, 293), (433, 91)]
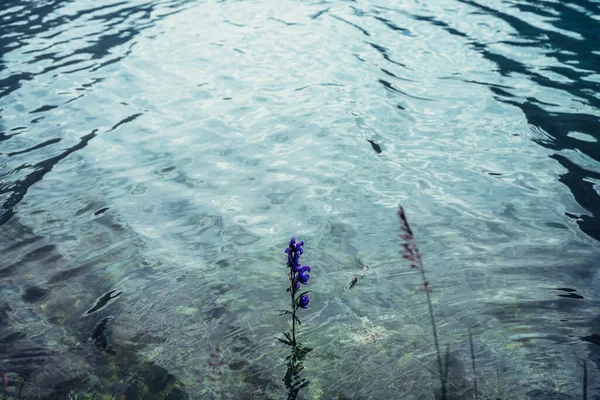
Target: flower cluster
[(410, 251), (298, 273)]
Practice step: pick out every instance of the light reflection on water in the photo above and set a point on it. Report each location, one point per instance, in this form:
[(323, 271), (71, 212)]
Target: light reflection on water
[(167, 150)]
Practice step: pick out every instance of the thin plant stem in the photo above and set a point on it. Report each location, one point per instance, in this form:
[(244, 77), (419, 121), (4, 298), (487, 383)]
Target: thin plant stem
[(436, 373), (435, 335), (585, 380), (411, 253), (294, 308), (21, 389), (473, 364), (447, 367), (431, 316)]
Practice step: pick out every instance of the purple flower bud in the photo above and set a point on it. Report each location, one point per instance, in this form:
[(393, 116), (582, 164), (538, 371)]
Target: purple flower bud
[(304, 268), (303, 277), (303, 301)]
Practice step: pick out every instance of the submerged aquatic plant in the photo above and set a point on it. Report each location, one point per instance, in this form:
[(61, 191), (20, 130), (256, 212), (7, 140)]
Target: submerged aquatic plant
[(297, 274), (292, 379), (410, 252), (216, 366), (585, 380), (472, 348)]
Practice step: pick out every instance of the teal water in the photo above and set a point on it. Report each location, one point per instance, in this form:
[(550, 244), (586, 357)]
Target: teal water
[(157, 156)]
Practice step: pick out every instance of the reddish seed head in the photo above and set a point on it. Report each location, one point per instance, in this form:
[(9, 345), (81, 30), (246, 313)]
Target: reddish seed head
[(402, 214), (404, 221)]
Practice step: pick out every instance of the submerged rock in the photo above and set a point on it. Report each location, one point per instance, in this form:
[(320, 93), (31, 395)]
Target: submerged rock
[(34, 294)]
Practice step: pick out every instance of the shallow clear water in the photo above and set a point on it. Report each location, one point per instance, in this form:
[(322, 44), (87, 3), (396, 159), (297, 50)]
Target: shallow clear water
[(156, 157)]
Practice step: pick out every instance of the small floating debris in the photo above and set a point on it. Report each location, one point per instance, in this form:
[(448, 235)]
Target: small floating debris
[(375, 146), (366, 332), (101, 211), (356, 277)]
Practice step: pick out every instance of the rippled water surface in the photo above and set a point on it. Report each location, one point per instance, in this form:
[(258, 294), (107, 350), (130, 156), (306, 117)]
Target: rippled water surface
[(157, 155)]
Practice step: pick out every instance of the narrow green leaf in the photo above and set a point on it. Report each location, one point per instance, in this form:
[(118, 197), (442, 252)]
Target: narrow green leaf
[(289, 343), (304, 384), (303, 293)]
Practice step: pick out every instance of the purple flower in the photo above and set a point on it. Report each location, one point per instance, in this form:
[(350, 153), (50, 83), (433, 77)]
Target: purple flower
[(303, 277), (295, 247), (303, 301), (304, 268), (303, 274), (294, 251), (299, 274)]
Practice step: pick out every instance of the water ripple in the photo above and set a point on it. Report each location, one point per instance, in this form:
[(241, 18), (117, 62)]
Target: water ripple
[(156, 155)]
